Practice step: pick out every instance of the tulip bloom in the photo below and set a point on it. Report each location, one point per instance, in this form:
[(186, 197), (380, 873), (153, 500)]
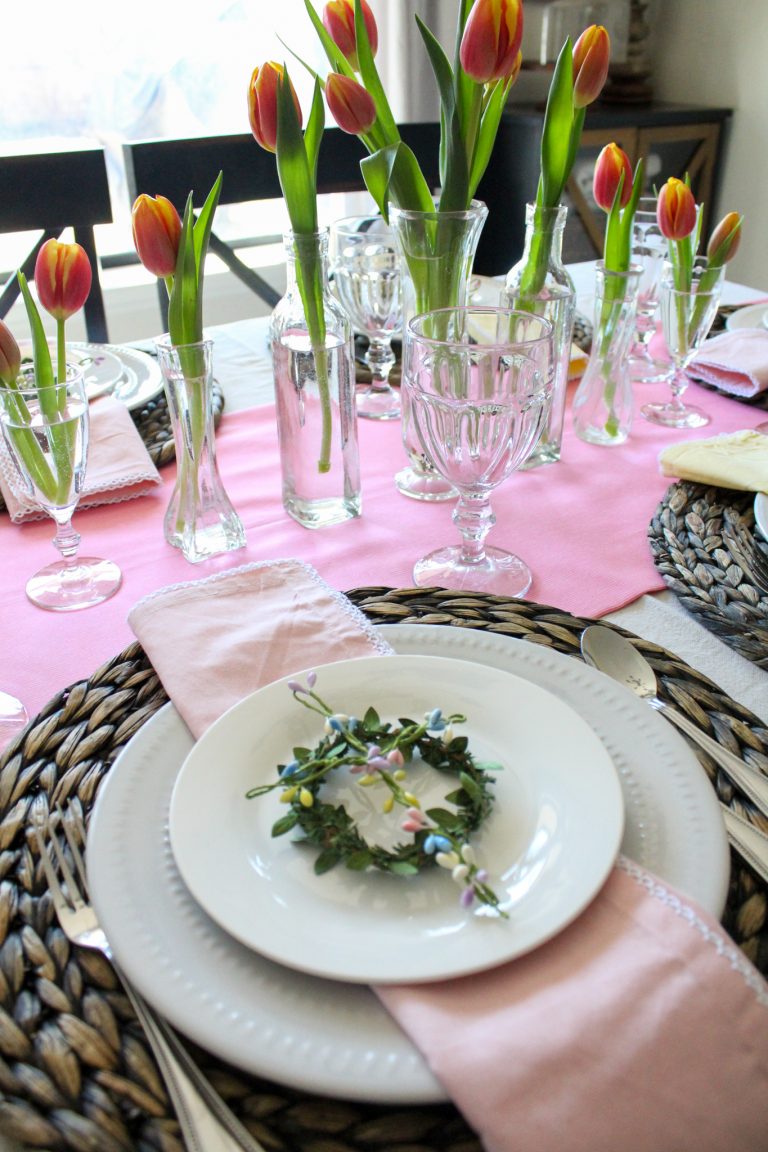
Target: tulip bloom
[(591, 57), (611, 163), (676, 210), (156, 234), (62, 278), (10, 357), (262, 104), (339, 21), (492, 37), (725, 240), (351, 106)]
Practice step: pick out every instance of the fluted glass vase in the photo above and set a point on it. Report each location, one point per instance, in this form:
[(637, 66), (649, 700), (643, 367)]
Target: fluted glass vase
[(200, 519), (539, 283), (602, 406), (436, 250), (313, 368)]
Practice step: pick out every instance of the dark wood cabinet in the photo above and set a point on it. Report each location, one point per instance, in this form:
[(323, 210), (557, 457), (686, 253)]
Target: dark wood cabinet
[(673, 139)]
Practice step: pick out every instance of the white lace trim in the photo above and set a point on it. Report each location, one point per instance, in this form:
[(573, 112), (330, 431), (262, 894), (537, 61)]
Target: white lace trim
[(355, 615), (730, 952)]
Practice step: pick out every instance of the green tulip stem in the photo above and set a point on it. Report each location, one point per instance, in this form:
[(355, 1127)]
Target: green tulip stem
[(309, 268)]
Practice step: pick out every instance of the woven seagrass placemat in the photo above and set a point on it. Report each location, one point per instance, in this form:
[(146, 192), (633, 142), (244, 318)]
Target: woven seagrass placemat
[(690, 552), (74, 1070), (154, 426)]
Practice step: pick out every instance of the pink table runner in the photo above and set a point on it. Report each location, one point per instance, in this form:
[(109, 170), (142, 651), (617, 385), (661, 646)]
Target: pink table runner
[(581, 525)]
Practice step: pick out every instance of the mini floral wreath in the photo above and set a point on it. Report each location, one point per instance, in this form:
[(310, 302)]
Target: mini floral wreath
[(378, 753)]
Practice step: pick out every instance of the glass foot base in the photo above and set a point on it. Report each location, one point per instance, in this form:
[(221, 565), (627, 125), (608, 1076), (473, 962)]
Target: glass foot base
[(66, 588), (423, 485), (13, 717), (378, 404), (673, 416), (499, 571), (646, 370)]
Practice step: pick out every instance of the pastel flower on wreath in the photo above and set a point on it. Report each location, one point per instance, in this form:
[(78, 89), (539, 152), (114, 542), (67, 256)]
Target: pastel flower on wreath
[(156, 228), (350, 105), (339, 22), (10, 356)]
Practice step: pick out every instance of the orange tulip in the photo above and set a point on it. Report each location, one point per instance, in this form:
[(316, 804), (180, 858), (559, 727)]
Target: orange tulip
[(676, 210), (611, 163), (262, 103), (10, 357), (491, 41), (725, 239), (350, 104), (156, 234), (339, 21), (62, 278), (591, 57)]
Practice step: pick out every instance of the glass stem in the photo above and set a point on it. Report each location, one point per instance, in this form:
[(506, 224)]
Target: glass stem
[(380, 358), (474, 519), (67, 541)]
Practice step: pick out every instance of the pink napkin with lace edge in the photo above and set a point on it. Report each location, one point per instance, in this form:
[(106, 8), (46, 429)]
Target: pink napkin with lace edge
[(640, 1027), (735, 362), (119, 466)]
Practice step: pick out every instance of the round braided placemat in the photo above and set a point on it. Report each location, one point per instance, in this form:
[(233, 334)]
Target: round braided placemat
[(691, 554), (74, 1070)]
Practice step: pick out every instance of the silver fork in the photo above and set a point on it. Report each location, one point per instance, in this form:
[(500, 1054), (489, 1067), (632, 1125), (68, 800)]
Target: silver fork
[(206, 1122), (747, 553)]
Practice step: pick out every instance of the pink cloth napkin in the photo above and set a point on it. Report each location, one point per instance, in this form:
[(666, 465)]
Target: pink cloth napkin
[(735, 362), (641, 1027), (119, 466)]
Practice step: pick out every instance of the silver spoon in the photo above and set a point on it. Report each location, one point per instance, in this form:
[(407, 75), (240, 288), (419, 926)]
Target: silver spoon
[(611, 653)]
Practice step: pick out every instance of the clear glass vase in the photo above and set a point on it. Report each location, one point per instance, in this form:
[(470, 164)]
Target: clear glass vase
[(602, 406), (200, 519), (313, 367), (539, 283), (436, 250)]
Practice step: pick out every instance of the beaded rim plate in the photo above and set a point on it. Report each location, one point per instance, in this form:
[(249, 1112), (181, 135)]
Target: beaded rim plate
[(320, 1035), (548, 844)]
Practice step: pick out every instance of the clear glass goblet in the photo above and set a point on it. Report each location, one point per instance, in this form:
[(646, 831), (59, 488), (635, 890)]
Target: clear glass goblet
[(46, 431), (366, 276), (649, 251), (686, 316), (479, 382)]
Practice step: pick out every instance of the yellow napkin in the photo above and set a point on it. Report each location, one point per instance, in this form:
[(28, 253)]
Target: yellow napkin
[(731, 460)]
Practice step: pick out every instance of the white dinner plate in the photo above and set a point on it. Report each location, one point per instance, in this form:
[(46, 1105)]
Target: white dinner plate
[(131, 376), (548, 844), (751, 316), (102, 369), (321, 1035), (761, 514)]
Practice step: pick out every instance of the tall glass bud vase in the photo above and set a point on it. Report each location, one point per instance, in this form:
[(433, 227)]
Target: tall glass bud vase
[(602, 406), (313, 367), (200, 519), (436, 252), (539, 283)]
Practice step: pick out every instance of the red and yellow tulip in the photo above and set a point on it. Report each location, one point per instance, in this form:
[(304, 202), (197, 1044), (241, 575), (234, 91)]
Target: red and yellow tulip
[(725, 240), (10, 357), (350, 104), (591, 57), (339, 22), (262, 103), (612, 164), (491, 41), (156, 229), (676, 210), (63, 278)]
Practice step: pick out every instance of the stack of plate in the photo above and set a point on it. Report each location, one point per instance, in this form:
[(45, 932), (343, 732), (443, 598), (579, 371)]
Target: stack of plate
[(231, 935)]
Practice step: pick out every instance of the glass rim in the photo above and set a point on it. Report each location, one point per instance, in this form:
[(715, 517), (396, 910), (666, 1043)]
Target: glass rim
[(165, 343), (75, 374), (476, 208), (626, 273), (338, 225), (482, 310)]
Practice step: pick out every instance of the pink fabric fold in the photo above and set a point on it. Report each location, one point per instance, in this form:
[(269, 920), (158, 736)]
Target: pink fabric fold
[(641, 1027), (735, 362), (119, 466)]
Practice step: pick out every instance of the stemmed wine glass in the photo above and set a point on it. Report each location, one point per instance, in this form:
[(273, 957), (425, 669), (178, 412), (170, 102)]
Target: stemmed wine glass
[(13, 717), (649, 251), (45, 428), (366, 275), (479, 382), (686, 316)]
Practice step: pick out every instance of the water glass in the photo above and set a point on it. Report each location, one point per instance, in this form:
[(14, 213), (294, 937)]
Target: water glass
[(649, 251)]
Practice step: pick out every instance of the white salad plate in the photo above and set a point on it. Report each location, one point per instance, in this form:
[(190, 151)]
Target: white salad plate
[(761, 513), (548, 844), (326, 1036), (751, 316)]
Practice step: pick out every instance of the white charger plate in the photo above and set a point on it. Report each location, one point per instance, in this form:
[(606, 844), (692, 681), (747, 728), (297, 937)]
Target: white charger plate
[(548, 844), (751, 316), (761, 514), (336, 1038)]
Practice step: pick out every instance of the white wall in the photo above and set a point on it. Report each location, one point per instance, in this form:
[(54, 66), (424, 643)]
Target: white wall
[(712, 52)]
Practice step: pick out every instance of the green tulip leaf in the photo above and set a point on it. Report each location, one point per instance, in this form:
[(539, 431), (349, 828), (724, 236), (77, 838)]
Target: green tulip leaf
[(396, 167), (386, 129), (556, 135)]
